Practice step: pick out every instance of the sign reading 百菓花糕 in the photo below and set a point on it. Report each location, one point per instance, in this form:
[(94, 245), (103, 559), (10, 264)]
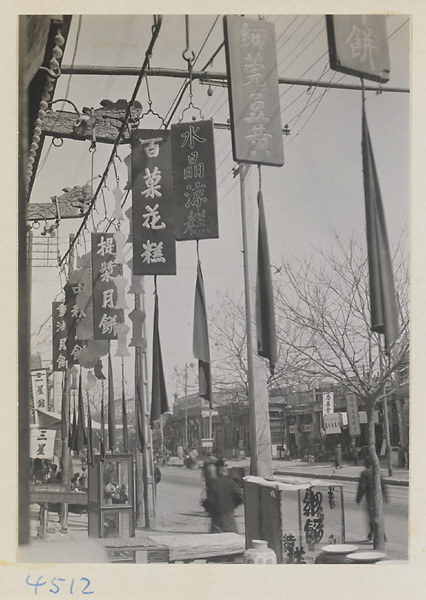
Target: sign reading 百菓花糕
[(254, 100), (59, 336), (194, 181), (106, 316), (39, 388), (153, 225), (328, 403), (353, 414), (358, 45)]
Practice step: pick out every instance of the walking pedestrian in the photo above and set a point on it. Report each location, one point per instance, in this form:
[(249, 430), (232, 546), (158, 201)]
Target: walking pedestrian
[(354, 452), (223, 496), (338, 456), (365, 488)]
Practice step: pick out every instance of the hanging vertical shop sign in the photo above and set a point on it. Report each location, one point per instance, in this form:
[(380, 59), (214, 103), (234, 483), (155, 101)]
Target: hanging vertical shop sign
[(39, 388), (358, 45), (332, 423), (353, 414), (42, 443), (74, 313), (153, 227), (194, 180), (254, 99), (328, 403), (59, 336), (104, 297)]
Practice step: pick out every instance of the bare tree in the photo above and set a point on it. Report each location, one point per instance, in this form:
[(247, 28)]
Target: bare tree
[(323, 322)]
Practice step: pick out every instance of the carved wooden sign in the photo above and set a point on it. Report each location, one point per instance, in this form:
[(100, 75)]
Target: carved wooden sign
[(99, 124), (71, 205)]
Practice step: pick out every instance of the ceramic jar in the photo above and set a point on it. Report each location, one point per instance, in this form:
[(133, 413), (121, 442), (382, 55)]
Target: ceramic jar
[(259, 554)]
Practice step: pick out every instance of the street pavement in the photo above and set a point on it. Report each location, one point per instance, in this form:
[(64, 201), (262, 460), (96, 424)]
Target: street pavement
[(179, 510)]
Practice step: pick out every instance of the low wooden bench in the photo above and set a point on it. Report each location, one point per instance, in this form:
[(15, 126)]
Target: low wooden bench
[(182, 547)]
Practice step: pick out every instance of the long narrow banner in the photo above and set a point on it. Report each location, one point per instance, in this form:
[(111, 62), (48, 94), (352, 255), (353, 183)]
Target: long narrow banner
[(254, 100), (59, 336), (72, 288), (194, 180), (104, 269), (153, 229)]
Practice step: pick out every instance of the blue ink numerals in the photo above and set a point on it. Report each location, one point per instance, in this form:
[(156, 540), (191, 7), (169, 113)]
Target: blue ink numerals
[(57, 585)]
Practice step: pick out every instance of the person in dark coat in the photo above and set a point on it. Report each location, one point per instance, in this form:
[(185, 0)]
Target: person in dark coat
[(224, 496), (338, 457), (365, 488)]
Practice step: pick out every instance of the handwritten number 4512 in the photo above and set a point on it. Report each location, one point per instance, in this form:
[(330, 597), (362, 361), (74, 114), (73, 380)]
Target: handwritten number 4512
[(58, 585)]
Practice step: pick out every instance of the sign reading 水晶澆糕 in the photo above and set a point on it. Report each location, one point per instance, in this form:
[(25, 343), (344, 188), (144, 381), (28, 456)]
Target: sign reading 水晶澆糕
[(104, 269), (254, 100), (328, 403), (39, 386), (353, 414), (153, 221), (332, 423), (59, 336), (358, 45), (42, 443), (194, 181)]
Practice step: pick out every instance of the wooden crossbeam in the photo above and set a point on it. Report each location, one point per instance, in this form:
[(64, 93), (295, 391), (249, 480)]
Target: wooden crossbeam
[(70, 205)]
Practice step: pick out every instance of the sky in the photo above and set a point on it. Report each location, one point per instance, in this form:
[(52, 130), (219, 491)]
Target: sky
[(319, 188)]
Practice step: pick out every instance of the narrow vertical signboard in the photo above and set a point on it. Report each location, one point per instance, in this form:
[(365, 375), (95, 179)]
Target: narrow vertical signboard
[(72, 288), (253, 91), (104, 297), (39, 387), (153, 227), (353, 414), (328, 403), (194, 180), (358, 45), (59, 336)]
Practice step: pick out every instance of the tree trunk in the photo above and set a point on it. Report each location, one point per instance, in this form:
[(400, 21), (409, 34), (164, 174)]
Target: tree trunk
[(379, 521)]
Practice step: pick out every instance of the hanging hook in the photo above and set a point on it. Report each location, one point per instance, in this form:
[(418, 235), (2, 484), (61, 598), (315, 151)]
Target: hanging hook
[(189, 56), (150, 110)]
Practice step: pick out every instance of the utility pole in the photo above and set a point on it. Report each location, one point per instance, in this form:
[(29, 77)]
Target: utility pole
[(186, 407), (260, 433)]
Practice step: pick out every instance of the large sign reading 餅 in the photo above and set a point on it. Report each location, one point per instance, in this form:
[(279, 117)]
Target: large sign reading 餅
[(358, 45), (253, 91), (153, 226)]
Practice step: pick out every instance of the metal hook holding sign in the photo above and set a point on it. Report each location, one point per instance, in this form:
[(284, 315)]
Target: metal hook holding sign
[(189, 56), (150, 111)]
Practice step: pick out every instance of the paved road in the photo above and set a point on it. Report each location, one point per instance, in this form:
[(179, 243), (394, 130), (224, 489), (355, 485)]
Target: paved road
[(178, 509)]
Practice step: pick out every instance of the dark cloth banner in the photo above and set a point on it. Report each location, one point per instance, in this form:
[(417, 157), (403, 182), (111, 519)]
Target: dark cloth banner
[(59, 336), (124, 417), (65, 424), (194, 180), (72, 288), (384, 310), (265, 314), (159, 403), (104, 269), (111, 406), (200, 343), (81, 438), (153, 214), (140, 437), (90, 449), (102, 436)]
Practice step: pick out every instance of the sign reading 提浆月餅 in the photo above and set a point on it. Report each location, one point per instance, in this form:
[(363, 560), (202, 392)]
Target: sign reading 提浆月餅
[(194, 181), (253, 91), (153, 225), (106, 316), (358, 45)]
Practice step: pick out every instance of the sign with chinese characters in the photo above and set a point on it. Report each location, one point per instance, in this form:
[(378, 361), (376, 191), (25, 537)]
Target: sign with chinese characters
[(59, 336), (358, 45), (39, 386), (194, 181), (328, 403), (332, 423), (253, 91), (106, 316), (353, 414), (42, 443), (73, 314), (153, 222)]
